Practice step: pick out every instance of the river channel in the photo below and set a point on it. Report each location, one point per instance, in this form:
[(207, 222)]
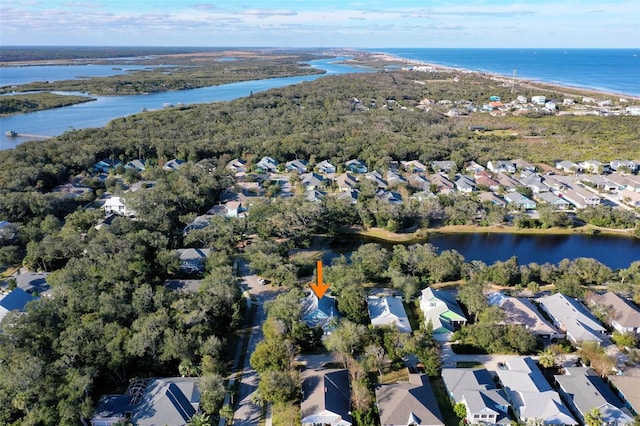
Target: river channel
[(615, 252), (98, 113)]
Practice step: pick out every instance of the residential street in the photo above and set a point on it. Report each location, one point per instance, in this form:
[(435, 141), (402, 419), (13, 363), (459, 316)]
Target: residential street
[(247, 413)]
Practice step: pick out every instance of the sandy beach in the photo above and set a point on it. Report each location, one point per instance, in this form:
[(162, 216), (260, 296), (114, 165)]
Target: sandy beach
[(388, 59)]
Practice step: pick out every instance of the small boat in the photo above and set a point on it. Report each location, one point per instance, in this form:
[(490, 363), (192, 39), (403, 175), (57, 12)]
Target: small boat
[(167, 105), (11, 133)]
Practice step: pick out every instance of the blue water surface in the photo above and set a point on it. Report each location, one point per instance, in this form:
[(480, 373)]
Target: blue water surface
[(611, 70)]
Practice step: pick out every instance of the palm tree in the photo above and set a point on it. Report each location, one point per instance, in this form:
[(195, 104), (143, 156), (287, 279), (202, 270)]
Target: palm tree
[(594, 418), (200, 419), (547, 359)]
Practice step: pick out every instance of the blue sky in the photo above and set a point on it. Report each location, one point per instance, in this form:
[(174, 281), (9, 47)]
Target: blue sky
[(322, 23)]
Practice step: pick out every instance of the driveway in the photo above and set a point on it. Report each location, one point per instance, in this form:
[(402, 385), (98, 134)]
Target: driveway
[(246, 413)]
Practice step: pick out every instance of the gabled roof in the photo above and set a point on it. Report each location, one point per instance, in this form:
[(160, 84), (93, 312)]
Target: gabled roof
[(477, 389), (578, 322), (193, 253), (325, 165), (298, 165), (522, 311), (174, 164), (346, 181), (171, 401), (16, 300), (312, 179), (625, 312), (326, 397), (587, 390), (388, 311), (161, 401), (627, 386), (410, 403), (319, 312), (530, 393), (447, 308), (33, 282), (137, 165)]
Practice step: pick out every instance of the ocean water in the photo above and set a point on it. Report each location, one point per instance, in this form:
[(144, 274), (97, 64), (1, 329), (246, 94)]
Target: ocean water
[(610, 70)]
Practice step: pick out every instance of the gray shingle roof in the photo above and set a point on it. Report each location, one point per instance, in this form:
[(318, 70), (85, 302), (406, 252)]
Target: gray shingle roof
[(404, 403), (325, 397)]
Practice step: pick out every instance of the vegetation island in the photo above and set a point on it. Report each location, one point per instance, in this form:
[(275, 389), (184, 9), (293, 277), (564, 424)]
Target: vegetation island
[(137, 257)]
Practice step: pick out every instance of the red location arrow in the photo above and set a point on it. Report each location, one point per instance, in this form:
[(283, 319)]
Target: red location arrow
[(319, 288)]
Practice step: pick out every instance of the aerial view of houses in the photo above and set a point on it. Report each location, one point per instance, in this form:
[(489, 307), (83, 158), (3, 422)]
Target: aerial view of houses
[(417, 380), (167, 269)]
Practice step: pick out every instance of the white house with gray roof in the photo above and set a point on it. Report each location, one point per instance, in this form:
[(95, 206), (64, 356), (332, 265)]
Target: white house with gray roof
[(388, 310), (583, 390), (443, 311), (624, 314), (531, 396), (325, 167), (476, 389), (573, 318), (553, 200)]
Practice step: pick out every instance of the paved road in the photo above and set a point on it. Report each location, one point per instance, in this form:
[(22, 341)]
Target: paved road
[(247, 413)]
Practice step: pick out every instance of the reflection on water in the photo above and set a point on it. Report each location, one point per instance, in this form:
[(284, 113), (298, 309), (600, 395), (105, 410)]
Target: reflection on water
[(615, 252)]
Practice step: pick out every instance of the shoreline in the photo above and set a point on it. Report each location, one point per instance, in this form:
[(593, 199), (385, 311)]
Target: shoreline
[(542, 84), (423, 235)]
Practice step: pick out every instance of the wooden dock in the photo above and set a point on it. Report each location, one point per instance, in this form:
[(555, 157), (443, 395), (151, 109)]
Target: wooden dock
[(27, 135)]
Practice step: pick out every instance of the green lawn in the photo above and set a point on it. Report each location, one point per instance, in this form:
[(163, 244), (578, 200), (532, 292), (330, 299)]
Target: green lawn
[(444, 404), (397, 376)]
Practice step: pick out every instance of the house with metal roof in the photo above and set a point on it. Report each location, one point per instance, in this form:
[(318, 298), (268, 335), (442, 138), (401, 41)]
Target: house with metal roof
[(326, 398), (573, 318), (319, 312), (158, 401), (413, 403), (583, 390), (441, 309), (624, 314), (475, 388), (388, 310), (530, 395), (16, 300)]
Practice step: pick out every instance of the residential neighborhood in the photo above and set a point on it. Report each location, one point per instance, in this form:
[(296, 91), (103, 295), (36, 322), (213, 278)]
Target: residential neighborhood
[(513, 390)]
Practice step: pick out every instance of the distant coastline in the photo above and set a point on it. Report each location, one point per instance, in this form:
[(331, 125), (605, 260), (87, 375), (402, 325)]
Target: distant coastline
[(621, 76)]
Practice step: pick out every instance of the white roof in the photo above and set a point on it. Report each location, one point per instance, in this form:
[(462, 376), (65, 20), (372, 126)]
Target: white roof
[(578, 322), (530, 393), (388, 311)]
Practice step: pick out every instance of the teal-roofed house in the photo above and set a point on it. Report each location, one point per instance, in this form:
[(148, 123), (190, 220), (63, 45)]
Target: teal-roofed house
[(443, 311)]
